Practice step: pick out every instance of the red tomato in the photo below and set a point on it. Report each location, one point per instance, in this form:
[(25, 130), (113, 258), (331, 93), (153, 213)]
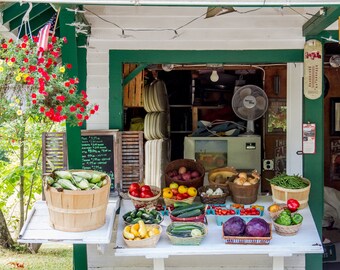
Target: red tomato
[(135, 193), (146, 194), (185, 195), (224, 212), (133, 187), (145, 188), (179, 196)]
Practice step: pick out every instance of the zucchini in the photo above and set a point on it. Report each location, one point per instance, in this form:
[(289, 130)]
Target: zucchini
[(183, 209), (147, 216), (135, 220), (192, 213), (133, 213), (185, 227)]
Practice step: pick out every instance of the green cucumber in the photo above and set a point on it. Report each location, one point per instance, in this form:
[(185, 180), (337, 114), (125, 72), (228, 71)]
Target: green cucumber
[(185, 227), (181, 204), (147, 216), (192, 213), (127, 214), (133, 213), (135, 220), (183, 209)]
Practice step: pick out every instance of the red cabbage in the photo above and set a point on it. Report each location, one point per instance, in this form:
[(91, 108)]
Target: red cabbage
[(257, 227), (234, 226)]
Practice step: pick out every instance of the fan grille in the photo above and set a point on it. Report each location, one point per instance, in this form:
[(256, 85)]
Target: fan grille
[(249, 102)]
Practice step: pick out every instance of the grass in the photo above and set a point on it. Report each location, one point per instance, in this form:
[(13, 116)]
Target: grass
[(49, 257)]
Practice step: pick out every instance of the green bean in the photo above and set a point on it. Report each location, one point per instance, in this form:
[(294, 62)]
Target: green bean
[(288, 181)]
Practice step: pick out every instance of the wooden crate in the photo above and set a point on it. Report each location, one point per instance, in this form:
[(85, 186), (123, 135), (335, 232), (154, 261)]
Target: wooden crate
[(133, 91), (132, 161), (54, 151)]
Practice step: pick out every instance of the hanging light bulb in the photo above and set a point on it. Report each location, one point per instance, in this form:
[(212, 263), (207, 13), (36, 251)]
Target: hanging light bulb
[(214, 76)]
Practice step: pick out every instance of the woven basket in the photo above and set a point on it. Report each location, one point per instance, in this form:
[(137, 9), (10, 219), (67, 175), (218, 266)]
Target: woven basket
[(187, 241), (247, 240), (213, 199), (146, 202), (221, 176), (168, 201), (147, 242), (244, 194), (275, 214), (281, 195), (190, 165), (200, 218), (286, 230)]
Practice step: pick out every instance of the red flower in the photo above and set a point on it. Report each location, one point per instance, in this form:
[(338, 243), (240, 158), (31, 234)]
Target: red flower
[(59, 108), (23, 45), (35, 39), (72, 81), (42, 109), (72, 108), (79, 116), (65, 40), (22, 69), (34, 95), (34, 101), (13, 59), (61, 98), (54, 75), (86, 117), (86, 103), (78, 105), (41, 59), (80, 124), (26, 60), (49, 60), (96, 107), (25, 38), (92, 111), (32, 68), (67, 84), (71, 91), (54, 39), (4, 46), (10, 40), (81, 109)]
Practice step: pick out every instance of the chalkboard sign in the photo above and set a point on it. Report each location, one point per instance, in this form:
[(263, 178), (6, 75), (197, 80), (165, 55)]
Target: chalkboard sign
[(99, 152)]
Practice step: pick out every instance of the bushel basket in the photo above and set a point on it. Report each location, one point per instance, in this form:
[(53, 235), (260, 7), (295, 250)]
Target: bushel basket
[(190, 165), (77, 211), (244, 194)]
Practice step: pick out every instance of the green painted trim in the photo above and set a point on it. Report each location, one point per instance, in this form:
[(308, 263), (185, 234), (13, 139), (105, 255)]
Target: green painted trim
[(313, 169), (116, 106), (36, 12), (82, 65), (79, 257), (319, 23), (38, 22), (70, 55), (118, 57), (133, 74), (13, 12)]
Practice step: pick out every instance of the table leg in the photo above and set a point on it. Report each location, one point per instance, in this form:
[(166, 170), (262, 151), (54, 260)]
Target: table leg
[(158, 264), (278, 263)]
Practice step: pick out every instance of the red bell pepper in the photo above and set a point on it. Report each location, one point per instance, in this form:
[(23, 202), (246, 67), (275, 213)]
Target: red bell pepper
[(293, 205)]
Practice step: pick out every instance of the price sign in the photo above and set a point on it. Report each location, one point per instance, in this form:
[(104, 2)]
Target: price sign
[(99, 151), (308, 144)]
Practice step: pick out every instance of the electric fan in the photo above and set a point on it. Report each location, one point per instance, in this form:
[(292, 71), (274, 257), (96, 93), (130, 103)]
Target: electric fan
[(249, 103)]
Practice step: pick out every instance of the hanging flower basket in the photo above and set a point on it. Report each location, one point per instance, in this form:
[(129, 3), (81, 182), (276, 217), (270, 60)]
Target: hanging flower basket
[(35, 82)]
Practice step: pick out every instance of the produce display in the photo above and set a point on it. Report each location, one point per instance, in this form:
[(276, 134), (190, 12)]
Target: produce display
[(186, 230), (140, 191), (221, 176), (139, 231), (185, 210), (245, 179), (149, 216), (76, 180), (183, 173), (237, 226), (178, 192), (288, 181)]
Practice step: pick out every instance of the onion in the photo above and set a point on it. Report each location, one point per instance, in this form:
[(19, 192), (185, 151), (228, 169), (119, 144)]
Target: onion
[(186, 176), (182, 170), (195, 174)]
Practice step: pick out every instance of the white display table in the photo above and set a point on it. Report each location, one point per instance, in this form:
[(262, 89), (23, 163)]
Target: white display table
[(306, 241), (38, 230)]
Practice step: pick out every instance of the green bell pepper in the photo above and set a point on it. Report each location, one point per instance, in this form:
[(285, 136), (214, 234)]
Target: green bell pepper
[(284, 219), (297, 218)]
